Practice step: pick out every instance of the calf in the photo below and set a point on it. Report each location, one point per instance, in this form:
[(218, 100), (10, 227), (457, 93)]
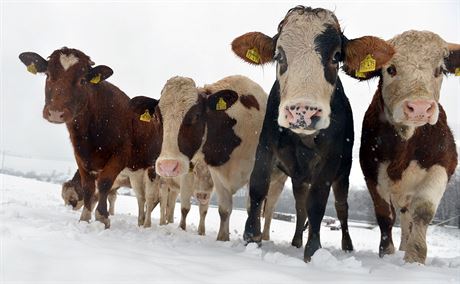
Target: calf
[(308, 128), (107, 133), (407, 150), (220, 121), (72, 193)]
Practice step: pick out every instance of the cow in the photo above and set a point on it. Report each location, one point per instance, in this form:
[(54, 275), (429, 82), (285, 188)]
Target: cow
[(109, 132), (308, 127), (407, 151), (72, 193), (221, 122)]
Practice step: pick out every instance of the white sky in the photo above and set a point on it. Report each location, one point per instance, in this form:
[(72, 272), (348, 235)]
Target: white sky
[(145, 43)]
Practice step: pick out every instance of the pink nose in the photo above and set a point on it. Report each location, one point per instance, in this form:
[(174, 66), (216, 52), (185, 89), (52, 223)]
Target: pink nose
[(56, 116), (302, 115), (168, 168), (421, 109)]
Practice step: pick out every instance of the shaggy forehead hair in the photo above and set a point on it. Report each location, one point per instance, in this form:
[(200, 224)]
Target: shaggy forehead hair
[(177, 96), (418, 50), (302, 15)]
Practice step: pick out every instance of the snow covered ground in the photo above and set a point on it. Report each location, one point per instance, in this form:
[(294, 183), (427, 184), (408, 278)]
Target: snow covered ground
[(42, 242)]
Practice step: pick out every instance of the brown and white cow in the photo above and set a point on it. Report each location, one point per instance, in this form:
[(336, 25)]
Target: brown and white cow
[(107, 131), (407, 150), (221, 121)]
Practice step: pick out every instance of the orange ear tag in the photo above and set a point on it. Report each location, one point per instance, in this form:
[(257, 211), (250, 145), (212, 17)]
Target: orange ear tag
[(146, 117), (253, 55), (360, 74)]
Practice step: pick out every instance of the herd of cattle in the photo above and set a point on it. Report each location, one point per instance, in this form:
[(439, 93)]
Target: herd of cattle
[(222, 136)]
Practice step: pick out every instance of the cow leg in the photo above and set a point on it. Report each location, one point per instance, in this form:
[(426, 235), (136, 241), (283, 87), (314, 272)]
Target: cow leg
[(406, 224), (203, 212), (225, 200), (112, 198), (316, 206), (340, 188), (422, 209), (172, 197), (300, 191), (276, 187), (164, 193), (385, 214), (186, 191), (89, 188), (152, 192), (137, 183)]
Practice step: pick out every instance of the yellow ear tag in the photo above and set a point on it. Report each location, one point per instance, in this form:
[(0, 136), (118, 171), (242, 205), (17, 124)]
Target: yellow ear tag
[(368, 64), (221, 104), (145, 116), (253, 55), (360, 74), (457, 71), (31, 68), (96, 79)]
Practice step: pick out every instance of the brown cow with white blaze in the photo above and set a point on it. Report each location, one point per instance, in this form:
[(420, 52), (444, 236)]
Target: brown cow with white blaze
[(105, 129), (221, 121), (407, 150)]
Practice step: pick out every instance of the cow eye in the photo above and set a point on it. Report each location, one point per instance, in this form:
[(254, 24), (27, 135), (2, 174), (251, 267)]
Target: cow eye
[(439, 71), (392, 70), (82, 81), (337, 57)]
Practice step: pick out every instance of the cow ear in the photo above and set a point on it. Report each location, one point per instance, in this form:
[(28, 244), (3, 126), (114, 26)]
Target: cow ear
[(99, 73), (141, 104), (453, 60), (34, 62), (221, 100), (365, 56), (254, 48)]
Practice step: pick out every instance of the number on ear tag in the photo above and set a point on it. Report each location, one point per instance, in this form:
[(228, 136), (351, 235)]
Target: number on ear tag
[(367, 65), (253, 55)]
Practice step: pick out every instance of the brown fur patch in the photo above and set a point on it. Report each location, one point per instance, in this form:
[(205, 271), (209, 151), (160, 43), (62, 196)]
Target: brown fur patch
[(453, 61), (221, 139), (263, 43), (430, 145), (357, 49), (249, 101)]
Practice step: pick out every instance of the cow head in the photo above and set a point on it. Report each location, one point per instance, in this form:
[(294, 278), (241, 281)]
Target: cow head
[(411, 81), (69, 79), (184, 111), (307, 50)]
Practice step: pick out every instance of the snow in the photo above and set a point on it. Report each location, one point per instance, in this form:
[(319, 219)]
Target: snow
[(42, 241)]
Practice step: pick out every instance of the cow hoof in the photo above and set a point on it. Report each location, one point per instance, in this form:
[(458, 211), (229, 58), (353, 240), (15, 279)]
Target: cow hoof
[(182, 226), (410, 258), (147, 224), (390, 249), (85, 215), (223, 237), (313, 244), (140, 222), (347, 245), (250, 238), (201, 233), (104, 220), (297, 242), (266, 236)]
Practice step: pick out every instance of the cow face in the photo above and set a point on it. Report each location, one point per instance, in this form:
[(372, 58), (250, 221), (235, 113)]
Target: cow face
[(411, 79), (307, 50), (69, 80), (184, 113)]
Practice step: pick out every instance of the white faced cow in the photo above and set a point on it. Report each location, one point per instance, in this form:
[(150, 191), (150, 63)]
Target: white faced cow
[(221, 121), (407, 150)]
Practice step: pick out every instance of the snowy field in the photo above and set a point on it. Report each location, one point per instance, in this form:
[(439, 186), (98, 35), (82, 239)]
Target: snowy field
[(42, 242)]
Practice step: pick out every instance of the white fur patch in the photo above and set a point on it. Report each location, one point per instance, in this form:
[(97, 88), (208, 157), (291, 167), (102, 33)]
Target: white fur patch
[(68, 61)]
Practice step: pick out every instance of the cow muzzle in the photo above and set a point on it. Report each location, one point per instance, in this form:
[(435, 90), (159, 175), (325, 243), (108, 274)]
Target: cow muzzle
[(168, 168), (417, 112), (302, 117), (56, 116)]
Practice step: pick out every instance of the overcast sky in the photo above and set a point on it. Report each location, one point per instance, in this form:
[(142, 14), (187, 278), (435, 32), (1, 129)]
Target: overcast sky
[(145, 43)]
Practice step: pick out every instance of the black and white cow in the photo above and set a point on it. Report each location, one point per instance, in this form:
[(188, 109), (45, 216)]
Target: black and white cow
[(308, 127)]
